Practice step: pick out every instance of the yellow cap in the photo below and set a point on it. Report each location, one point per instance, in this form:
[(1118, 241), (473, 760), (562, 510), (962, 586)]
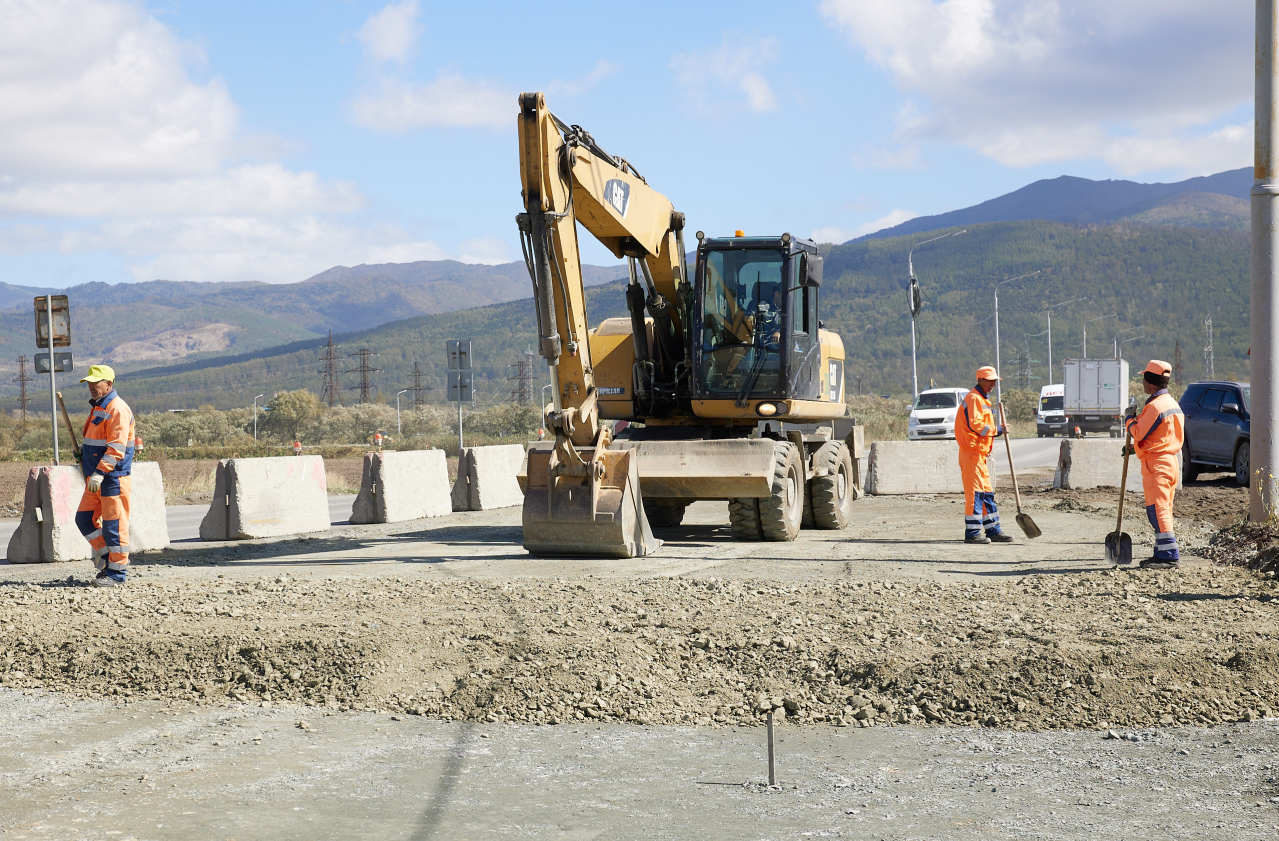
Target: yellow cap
[(987, 372), (99, 374)]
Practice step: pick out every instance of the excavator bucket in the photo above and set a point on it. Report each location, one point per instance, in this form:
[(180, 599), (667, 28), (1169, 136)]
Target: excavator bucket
[(601, 517)]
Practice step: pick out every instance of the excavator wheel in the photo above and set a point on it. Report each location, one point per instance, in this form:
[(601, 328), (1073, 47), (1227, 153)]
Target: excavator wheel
[(782, 512), (743, 518), (831, 495), (663, 513)]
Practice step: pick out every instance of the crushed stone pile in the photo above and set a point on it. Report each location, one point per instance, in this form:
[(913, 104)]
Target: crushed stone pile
[(1251, 545), (1083, 650)]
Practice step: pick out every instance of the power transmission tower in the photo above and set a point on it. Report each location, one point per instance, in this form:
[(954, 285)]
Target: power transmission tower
[(522, 391), (330, 373), (417, 389), (366, 373), (22, 379), (1176, 359), (1210, 372)]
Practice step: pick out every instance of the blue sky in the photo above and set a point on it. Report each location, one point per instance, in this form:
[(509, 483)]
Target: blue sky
[(228, 141)]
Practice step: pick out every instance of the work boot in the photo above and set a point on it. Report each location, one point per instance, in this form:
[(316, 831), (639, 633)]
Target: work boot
[(979, 539), (108, 579), (1000, 537), (1158, 563)]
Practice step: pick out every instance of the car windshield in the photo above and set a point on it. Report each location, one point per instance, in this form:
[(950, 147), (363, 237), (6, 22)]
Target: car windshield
[(743, 296), (937, 400), (1052, 404)]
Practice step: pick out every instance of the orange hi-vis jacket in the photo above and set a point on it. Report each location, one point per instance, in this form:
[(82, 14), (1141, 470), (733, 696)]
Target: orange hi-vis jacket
[(1160, 428), (975, 424), (107, 441)]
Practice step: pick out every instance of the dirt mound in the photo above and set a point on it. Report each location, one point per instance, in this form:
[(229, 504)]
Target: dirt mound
[(1251, 545), (1193, 646)]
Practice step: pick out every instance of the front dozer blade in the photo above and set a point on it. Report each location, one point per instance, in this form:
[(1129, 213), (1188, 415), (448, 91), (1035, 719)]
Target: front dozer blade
[(595, 517)]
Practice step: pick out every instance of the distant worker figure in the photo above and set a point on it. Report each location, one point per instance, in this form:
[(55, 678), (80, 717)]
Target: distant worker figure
[(106, 459), (975, 432), (137, 445), (1158, 432), (377, 440), (770, 317), (297, 448)]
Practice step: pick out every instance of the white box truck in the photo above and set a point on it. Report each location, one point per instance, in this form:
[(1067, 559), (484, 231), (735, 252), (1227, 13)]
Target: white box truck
[(1096, 395)]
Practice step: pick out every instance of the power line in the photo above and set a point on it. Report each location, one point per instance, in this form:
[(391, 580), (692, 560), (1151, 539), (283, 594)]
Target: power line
[(22, 379), (366, 373), (330, 373)]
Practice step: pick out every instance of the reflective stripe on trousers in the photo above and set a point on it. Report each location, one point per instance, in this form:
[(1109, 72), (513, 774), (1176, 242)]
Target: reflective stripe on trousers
[(1159, 476)]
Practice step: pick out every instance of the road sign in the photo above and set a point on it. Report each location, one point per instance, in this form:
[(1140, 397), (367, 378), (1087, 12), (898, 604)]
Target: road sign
[(461, 387), (61, 321), (61, 362), (459, 354)]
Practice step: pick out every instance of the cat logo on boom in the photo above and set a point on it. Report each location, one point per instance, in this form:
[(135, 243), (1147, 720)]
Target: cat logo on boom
[(617, 193)]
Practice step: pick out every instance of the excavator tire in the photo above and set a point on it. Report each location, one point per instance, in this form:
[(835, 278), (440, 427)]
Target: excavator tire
[(831, 495), (782, 512), (743, 518), (664, 514)]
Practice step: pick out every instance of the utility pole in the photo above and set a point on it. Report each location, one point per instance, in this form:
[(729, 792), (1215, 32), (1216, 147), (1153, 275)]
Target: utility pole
[(1209, 369), (418, 402), (366, 373), (330, 373), (1264, 484), (522, 391), (22, 379)]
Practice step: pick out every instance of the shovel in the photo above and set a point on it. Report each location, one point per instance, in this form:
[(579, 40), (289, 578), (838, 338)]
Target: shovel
[(1118, 542), (75, 444), (1024, 522)]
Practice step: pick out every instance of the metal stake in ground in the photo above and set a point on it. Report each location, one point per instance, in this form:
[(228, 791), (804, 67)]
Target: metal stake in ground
[(772, 775)]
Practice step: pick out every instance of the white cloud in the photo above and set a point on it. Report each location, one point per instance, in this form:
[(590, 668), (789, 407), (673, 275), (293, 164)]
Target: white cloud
[(450, 100), (389, 34), (839, 234), (1026, 82), (830, 233), (733, 66), (100, 88), (109, 145), (576, 87)]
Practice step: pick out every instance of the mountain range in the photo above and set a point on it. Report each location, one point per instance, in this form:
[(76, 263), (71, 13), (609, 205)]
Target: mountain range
[(1156, 256)]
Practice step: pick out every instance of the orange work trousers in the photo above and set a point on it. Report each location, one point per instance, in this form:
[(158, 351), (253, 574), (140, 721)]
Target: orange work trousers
[(1159, 477), (103, 518)]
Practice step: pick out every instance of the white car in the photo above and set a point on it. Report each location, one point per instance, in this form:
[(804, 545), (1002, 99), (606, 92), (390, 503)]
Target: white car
[(933, 415)]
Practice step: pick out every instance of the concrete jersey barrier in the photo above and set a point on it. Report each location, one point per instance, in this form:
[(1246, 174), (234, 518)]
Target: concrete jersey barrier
[(915, 467), (1084, 463), (267, 497), (399, 486), (48, 532), (486, 478)]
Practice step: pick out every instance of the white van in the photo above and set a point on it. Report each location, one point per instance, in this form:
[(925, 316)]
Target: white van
[(933, 415), (1051, 418)]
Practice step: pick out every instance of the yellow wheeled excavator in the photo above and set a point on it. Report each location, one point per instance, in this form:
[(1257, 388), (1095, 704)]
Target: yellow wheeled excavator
[(733, 389)]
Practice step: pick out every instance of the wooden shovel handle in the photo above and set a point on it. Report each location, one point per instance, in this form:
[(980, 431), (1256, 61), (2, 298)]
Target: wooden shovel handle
[(1009, 447), (75, 443), (1123, 482)]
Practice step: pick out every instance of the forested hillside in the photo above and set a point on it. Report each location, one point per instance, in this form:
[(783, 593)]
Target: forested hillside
[(1158, 281)]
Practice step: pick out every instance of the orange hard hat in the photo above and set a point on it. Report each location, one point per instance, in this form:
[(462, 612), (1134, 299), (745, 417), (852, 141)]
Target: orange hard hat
[(987, 372), (1159, 368)]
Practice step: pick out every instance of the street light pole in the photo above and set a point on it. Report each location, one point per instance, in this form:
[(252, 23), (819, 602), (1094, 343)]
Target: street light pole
[(1050, 330), (397, 411), (999, 283), (255, 415), (913, 303), (1263, 493)]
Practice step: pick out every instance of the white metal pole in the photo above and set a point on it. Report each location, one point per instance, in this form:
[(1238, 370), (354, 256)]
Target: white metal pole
[(1264, 486), (914, 369), (53, 385), (255, 415), (397, 411), (1050, 346), (998, 366)]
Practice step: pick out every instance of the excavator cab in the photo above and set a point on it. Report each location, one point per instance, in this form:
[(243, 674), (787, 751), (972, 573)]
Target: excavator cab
[(754, 317)]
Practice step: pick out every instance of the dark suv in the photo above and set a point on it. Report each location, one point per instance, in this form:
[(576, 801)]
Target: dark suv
[(1217, 429)]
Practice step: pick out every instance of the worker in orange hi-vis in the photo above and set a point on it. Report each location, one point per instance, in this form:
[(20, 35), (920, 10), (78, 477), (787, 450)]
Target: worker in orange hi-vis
[(106, 459), (297, 448), (377, 440), (1158, 432), (975, 431)]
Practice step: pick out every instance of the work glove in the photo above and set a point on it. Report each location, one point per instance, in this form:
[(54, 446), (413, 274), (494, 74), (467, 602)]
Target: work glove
[(999, 431), (1129, 450), (1130, 414), (94, 483)]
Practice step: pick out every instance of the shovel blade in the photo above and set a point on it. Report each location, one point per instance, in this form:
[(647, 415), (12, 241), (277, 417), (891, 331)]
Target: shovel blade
[(1119, 548), (1028, 526)]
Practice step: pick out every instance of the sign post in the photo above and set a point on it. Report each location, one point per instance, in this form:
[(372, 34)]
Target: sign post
[(461, 383), (53, 330)]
